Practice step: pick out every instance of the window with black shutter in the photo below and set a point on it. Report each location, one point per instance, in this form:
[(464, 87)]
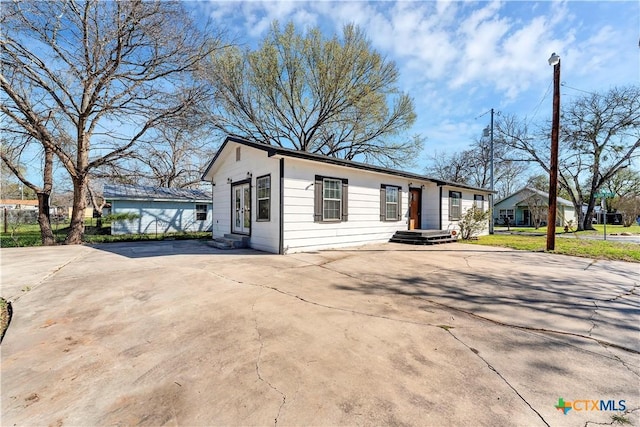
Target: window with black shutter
[(331, 200), (390, 203)]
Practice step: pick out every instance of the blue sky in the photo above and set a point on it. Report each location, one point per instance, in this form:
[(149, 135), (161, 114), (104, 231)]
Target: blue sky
[(460, 59)]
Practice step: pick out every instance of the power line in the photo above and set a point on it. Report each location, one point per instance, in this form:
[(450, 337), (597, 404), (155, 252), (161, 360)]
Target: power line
[(563, 84), (535, 110)]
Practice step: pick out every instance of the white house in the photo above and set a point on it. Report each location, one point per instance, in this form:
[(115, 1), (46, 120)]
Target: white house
[(19, 204), (288, 201), (525, 204), (159, 210)]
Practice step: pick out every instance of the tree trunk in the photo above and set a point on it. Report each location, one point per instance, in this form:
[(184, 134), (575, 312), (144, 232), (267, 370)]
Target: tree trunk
[(76, 231), (586, 221), (44, 220)]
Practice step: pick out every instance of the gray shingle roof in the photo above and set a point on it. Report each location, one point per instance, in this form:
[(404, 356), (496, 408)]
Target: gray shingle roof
[(538, 192), (142, 192)]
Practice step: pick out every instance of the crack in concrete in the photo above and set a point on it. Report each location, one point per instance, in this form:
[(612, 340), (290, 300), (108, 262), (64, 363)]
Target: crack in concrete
[(542, 330), (317, 304), (466, 259), (330, 307), (259, 375), (613, 421), (592, 317), (491, 367), (630, 292), (363, 314), (529, 328), (545, 331), (496, 322), (48, 276), (619, 360)]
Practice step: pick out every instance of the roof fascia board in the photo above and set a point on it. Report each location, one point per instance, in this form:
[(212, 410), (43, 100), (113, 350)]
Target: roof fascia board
[(143, 199), (274, 150)]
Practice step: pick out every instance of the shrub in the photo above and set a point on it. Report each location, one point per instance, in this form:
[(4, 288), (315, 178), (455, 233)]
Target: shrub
[(128, 216), (629, 207), (473, 221)]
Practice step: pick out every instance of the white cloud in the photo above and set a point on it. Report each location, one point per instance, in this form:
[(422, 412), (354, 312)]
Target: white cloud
[(458, 59)]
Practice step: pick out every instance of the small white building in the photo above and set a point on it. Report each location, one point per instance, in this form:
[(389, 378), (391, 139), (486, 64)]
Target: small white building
[(289, 201), (159, 210)]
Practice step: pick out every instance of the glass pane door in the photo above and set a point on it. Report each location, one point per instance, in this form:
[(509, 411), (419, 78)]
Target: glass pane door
[(241, 221)]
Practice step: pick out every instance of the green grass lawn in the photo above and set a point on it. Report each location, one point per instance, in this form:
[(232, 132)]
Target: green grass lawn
[(29, 235), (597, 249), (598, 229)]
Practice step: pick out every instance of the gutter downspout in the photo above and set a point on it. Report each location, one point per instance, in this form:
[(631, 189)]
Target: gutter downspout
[(213, 185), (281, 219), (440, 209)]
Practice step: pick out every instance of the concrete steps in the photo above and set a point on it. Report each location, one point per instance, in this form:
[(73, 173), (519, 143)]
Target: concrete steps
[(230, 241), (423, 237)]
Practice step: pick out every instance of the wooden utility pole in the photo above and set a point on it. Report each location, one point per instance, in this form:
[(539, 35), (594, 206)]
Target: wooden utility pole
[(553, 170)]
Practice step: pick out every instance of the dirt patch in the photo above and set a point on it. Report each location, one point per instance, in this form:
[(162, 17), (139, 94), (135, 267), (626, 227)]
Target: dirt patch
[(5, 316)]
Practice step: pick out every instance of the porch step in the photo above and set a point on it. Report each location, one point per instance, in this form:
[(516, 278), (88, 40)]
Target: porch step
[(423, 237), (230, 241)]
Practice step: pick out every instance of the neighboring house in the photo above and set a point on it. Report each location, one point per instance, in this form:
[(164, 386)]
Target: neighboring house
[(19, 204), (88, 212), (523, 206), (289, 201), (30, 205), (159, 210)]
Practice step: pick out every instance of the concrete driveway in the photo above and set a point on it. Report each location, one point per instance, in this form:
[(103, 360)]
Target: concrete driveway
[(180, 333)]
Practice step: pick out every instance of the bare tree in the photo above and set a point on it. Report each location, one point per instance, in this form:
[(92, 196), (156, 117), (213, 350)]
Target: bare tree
[(98, 202), (626, 181), (600, 136), (108, 73), (14, 147), (333, 96), (538, 207), (175, 158), (538, 182), (178, 157), (10, 186), (629, 207), (453, 167), (473, 167)]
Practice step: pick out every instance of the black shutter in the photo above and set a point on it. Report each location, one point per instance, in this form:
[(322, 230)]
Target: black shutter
[(317, 199), (399, 203), (345, 200), (383, 203)]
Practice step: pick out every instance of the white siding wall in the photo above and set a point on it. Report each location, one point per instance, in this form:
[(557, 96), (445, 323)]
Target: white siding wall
[(264, 234), (567, 213), (159, 217), (431, 206), (467, 203), (301, 233)]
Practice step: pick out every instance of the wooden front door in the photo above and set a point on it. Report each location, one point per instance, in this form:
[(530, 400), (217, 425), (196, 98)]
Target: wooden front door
[(415, 211), (241, 195)]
